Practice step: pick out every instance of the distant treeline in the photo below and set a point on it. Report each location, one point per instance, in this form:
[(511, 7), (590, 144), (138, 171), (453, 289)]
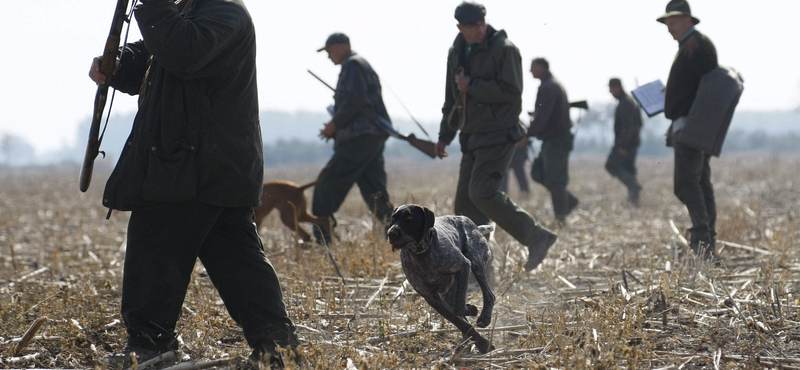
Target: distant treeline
[(282, 153), (737, 141), (291, 137)]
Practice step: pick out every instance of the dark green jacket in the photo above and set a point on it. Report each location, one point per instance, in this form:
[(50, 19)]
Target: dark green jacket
[(494, 96), (551, 116), (196, 135), (627, 123)]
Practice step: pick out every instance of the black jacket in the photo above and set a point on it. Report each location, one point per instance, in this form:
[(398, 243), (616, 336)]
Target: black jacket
[(196, 135), (627, 123), (551, 116), (696, 57), (358, 100)]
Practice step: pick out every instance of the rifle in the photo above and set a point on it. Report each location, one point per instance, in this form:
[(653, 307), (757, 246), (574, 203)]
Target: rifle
[(107, 65), (427, 147), (424, 146)]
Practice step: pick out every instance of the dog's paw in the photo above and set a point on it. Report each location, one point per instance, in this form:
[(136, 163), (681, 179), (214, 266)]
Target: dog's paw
[(484, 320), (483, 345), (470, 310)]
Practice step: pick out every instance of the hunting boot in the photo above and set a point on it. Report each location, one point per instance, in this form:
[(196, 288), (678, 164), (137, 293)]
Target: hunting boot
[(537, 250), (144, 358)]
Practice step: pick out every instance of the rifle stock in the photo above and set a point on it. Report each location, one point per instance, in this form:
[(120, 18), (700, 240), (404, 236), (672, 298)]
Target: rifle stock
[(107, 65), (424, 146), (579, 104), (93, 144)]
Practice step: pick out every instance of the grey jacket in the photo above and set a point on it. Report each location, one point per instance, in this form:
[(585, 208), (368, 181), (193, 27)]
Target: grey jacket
[(196, 135), (711, 114)]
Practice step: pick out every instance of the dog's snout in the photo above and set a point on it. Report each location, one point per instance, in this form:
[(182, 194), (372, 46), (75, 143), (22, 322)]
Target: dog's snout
[(392, 233)]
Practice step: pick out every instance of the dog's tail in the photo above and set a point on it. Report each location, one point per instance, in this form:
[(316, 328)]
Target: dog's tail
[(485, 229), (319, 178)]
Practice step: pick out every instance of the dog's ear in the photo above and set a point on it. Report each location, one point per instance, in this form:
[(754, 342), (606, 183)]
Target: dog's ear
[(429, 219), (392, 218)]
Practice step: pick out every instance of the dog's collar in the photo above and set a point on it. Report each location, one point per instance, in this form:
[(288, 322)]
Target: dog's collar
[(426, 247)]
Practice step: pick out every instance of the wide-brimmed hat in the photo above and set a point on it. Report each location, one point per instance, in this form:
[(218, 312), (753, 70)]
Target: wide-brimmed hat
[(677, 7)]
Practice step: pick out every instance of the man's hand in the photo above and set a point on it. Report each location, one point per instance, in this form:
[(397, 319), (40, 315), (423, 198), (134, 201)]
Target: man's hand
[(622, 152), (462, 82), (524, 142), (439, 149), (328, 131), (97, 76)]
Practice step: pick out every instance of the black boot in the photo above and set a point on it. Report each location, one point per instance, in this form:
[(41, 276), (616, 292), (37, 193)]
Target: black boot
[(151, 358), (704, 246), (537, 251)]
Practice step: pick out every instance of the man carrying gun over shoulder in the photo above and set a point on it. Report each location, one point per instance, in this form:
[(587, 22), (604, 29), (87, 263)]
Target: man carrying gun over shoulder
[(358, 141)]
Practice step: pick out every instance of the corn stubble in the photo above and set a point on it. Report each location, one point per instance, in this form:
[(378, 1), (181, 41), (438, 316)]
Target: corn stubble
[(617, 291)]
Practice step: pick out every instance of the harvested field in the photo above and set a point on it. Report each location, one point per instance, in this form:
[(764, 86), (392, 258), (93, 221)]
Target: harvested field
[(616, 291)]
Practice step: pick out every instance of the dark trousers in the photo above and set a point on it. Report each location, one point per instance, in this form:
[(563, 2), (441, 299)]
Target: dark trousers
[(623, 167), (478, 194), (360, 162), (551, 169), (518, 168), (693, 187), (162, 248)]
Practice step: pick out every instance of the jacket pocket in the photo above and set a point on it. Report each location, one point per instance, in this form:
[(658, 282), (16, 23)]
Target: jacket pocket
[(171, 174)]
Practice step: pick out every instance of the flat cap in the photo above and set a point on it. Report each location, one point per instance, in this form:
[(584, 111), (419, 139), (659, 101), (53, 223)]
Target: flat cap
[(469, 12), (335, 38)]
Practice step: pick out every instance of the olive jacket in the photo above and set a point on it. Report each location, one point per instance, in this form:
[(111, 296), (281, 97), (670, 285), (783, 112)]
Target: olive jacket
[(196, 135), (494, 95)]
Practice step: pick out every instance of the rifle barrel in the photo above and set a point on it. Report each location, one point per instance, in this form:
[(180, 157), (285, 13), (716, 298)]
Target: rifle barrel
[(321, 80)]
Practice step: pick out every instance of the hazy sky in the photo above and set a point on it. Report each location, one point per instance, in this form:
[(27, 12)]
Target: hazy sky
[(48, 46)]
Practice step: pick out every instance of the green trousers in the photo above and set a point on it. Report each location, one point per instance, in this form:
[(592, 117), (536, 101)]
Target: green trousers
[(478, 194)]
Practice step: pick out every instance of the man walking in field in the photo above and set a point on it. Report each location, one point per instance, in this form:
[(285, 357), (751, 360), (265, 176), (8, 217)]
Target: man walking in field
[(483, 100), (358, 139), (696, 57), (621, 162), (551, 124)]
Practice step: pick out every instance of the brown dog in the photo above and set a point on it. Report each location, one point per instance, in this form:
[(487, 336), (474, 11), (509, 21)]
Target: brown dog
[(290, 201)]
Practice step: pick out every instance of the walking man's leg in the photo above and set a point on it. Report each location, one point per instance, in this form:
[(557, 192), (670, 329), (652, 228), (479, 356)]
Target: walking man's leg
[(247, 283), (162, 248), (622, 167), (556, 167), (463, 203), (372, 185), (690, 165), (488, 166), (343, 170)]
